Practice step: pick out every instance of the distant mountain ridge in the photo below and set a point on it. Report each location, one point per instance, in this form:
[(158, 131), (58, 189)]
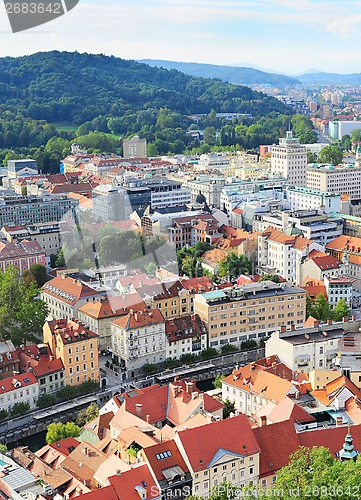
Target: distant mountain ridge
[(331, 78), (232, 74)]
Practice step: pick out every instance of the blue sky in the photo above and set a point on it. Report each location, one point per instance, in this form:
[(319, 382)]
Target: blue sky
[(288, 36)]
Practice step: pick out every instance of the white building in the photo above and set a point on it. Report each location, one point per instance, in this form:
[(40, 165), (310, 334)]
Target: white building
[(23, 388), (338, 129), (289, 160), (185, 335), (282, 253), (138, 339), (302, 198), (339, 287), (308, 349), (163, 199)]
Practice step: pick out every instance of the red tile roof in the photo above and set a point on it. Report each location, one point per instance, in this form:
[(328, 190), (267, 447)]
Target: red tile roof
[(275, 453), (65, 446), (198, 285), (202, 443), (70, 330), (172, 458), (68, 289), (125, 484), (110, 306), (184, 327), (17, 381), (21, 249), (332, 438), (140, 319)]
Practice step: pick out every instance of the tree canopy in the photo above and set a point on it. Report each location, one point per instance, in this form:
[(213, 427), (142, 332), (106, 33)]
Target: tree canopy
[(59, 431), (331, 154), (22, 313)]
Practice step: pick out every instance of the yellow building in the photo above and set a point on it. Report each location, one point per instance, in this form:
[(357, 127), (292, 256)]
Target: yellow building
[(76, 346), (172, 298), (250, 311)]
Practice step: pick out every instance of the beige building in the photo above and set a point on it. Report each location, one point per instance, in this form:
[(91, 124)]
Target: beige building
[(289, 160), (249, 311), (344, 179), (135, 147), (213, 455)]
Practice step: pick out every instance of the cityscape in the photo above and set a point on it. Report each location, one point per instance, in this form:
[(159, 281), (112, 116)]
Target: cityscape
[(180, 251)]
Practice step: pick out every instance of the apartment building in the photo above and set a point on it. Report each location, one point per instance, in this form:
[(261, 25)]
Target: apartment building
[(21, 255), (76, 346), (187, 231), (315, 225), (37, 358), (15, 210), (185, 335), (98, 315), (289, 160), (138, 338), (21, 388), (171, 298), (249, 311), (345, 179), (283, 252), (257, 384), (344, 246), (214, 456), (318, 265), (47, 234), (65, 295), (9, 359), (211, 189), (306, 349), (303, 198), (135, 147)]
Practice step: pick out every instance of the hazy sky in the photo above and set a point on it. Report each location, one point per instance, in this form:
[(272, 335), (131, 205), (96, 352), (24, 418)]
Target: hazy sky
[(289, 36)]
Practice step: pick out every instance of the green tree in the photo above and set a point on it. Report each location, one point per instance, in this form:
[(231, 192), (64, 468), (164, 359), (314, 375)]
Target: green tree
[(22, 313), (331, 154), (209, 135), (232, 266), (228, 348), (45, 400), (310, 469), (151, 269), (149, 368), (311, 157), (270, 277), (229, 407), (218, 381), (85, 416), (346, 142), (60, 260), (39, 273), (248, 344), (342, 310), (321, 309), (59, 431), (3, 448), (11, 156), (356, 134), (20, 408), (309, 305)]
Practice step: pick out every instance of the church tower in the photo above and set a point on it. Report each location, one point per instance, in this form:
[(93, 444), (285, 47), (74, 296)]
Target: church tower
[(348, 451)]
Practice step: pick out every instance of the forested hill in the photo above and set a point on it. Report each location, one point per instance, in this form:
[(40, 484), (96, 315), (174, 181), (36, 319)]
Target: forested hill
[(233, 74), (68, 86)]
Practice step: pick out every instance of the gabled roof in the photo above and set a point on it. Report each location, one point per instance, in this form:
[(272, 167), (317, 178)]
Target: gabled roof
[(201, 444), (140, 319), (160, 291), (17, 381), (162, 456), (198, 285), (137, 479), (287, 409), (184, 327), (332, 438), (68, 289), (277, 442), (20, 249), (326, 262), (107, 307)]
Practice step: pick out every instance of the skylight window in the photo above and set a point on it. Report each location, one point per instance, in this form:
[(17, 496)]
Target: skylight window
[(26, 380)]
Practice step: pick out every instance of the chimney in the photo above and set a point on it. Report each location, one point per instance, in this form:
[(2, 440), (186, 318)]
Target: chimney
[(147, 417), (274, 364), (263, 420), (283, 329), (293, 327), (194, 395), (329, 321), (345, 319), (353, 318), (119, 472), (339, 420), (297, 395), (139, 410)]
